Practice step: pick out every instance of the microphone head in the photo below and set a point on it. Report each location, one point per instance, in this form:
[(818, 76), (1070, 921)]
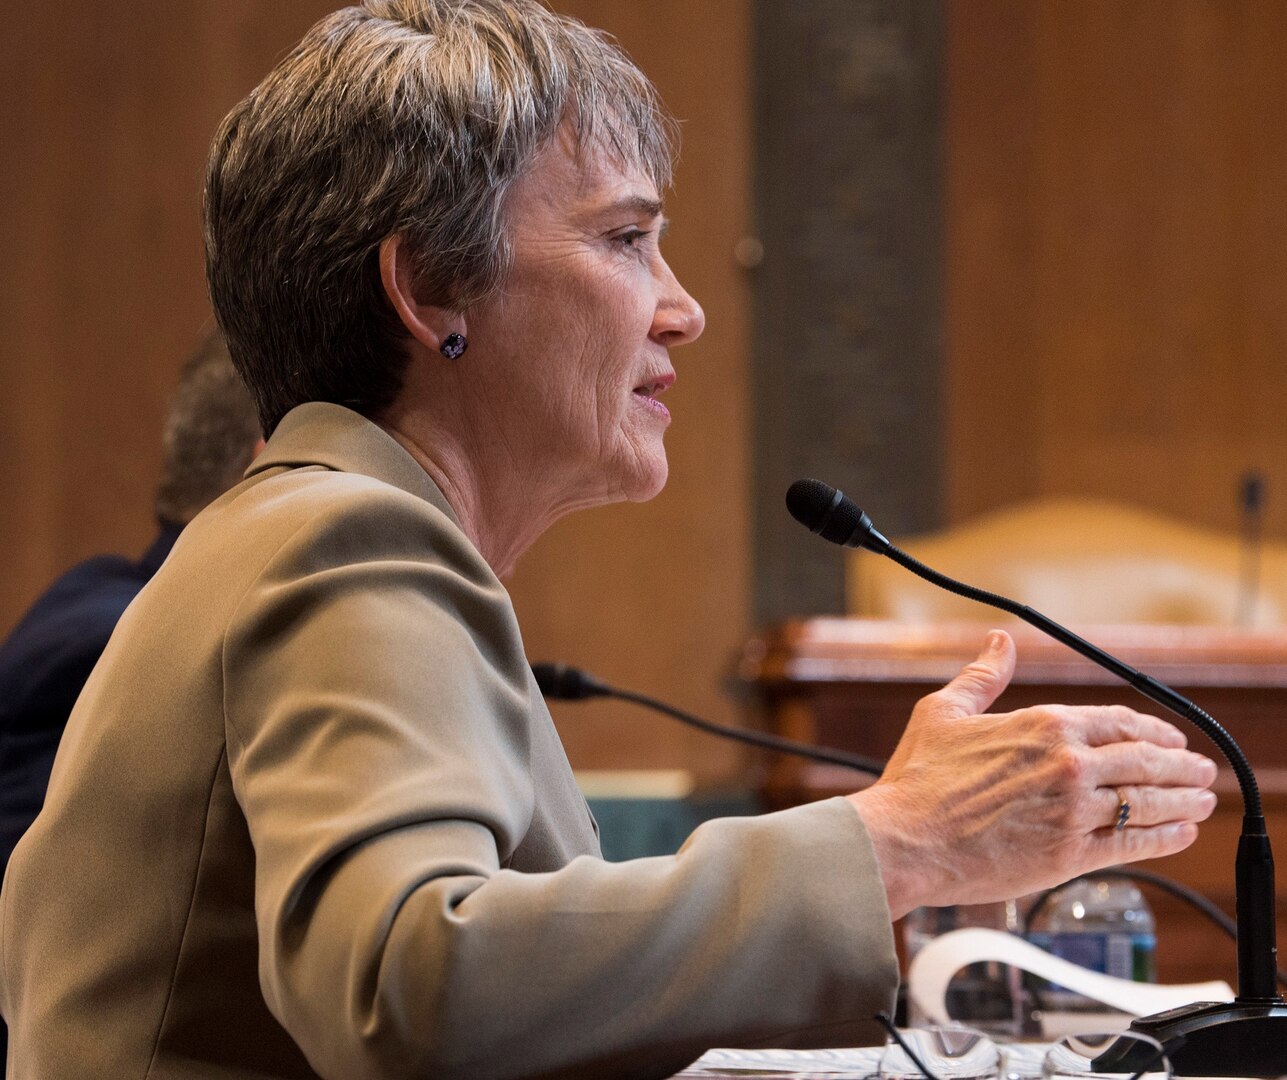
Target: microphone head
[(824, 510)]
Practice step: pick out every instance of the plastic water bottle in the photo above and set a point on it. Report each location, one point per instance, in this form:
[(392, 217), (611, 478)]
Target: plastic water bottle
[(1101, 924)]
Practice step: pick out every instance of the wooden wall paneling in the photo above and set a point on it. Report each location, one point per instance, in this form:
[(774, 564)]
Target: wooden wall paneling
[(1117, 254), (107, 120), (989, 129), (26, 298)]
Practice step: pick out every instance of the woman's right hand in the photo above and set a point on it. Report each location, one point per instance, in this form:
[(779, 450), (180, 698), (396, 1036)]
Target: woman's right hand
[(977, 806)]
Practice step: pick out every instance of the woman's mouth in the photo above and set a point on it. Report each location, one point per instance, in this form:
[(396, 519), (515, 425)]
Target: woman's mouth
[(646, 394)]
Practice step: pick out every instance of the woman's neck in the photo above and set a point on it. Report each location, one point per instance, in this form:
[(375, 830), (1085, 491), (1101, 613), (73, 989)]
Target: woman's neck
[(501, 509)]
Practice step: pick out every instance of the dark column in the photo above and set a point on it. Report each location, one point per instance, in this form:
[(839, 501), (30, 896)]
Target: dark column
[(847, 349)]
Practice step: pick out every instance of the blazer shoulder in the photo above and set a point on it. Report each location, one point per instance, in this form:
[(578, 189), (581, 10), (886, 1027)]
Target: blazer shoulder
[(323, 517)]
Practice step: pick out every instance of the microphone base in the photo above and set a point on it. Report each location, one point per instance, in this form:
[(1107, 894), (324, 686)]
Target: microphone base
[(1223, 1038)]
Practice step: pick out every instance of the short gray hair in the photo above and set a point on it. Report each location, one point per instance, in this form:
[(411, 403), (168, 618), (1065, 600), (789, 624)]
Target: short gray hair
[(210, 434), (398, 116)]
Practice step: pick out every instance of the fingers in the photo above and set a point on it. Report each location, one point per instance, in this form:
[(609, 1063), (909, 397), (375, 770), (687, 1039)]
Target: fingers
[(1104, 724), (1109, 847), (1154, 805), (974, 803), (1147, 763), (980, 682)]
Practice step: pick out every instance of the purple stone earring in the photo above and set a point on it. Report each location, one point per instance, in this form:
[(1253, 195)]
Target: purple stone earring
[(453, 346)]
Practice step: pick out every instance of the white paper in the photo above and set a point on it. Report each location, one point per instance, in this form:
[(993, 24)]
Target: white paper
[(942, 957)]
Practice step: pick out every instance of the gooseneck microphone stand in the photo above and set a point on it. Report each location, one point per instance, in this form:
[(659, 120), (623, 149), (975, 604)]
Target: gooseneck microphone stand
[(1245, 1037)]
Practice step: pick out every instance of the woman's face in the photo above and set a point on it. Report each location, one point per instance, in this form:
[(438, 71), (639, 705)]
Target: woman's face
[(574, 350)]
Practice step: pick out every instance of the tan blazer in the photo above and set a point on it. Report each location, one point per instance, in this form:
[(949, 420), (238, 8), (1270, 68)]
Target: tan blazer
[(311, 818)]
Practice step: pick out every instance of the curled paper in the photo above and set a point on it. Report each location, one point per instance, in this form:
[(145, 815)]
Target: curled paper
[(940, 959)]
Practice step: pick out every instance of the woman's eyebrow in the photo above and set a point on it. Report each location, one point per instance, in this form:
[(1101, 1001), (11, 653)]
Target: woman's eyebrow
[(633, 206), (637, 205)]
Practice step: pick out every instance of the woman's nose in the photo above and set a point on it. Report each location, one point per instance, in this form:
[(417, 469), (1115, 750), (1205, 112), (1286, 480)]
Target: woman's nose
[(679, 318)]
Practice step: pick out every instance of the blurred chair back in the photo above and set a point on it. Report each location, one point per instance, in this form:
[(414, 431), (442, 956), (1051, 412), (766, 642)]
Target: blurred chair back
[(1080, 561)]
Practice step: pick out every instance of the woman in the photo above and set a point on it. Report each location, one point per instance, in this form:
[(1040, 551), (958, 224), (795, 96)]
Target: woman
[(312, 817)]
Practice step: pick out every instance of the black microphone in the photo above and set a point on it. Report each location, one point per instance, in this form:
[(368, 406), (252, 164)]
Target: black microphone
[(824, 510), (1246, 1037), (558, 682)]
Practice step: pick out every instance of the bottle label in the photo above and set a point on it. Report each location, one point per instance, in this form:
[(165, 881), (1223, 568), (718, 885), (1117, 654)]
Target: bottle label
[(1124, 956)]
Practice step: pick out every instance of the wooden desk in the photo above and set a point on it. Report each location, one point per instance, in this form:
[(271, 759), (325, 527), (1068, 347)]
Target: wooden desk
[(851, 683)]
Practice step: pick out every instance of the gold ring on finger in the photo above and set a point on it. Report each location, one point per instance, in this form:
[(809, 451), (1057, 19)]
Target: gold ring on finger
[(1123, 810)]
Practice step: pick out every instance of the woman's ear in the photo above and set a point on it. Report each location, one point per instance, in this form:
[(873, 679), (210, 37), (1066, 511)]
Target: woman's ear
[(428, 324)]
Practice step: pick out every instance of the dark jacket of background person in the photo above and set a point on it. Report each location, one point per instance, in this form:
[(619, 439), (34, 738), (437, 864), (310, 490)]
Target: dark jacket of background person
[(44, 664)]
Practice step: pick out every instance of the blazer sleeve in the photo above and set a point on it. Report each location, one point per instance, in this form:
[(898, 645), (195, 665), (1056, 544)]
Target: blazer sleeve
[(378, 722)]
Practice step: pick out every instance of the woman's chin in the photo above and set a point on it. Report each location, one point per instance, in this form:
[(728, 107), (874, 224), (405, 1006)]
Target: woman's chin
[(646, 483)]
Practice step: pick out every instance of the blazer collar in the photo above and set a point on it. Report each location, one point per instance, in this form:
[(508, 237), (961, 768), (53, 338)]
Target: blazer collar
[(320, 433)]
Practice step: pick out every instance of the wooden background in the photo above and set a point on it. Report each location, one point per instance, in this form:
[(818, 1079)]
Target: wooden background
[(1116, 236), (1117, 253)]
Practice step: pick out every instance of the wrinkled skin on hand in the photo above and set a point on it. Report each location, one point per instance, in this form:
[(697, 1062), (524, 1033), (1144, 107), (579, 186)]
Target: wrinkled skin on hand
[(976, 806)]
